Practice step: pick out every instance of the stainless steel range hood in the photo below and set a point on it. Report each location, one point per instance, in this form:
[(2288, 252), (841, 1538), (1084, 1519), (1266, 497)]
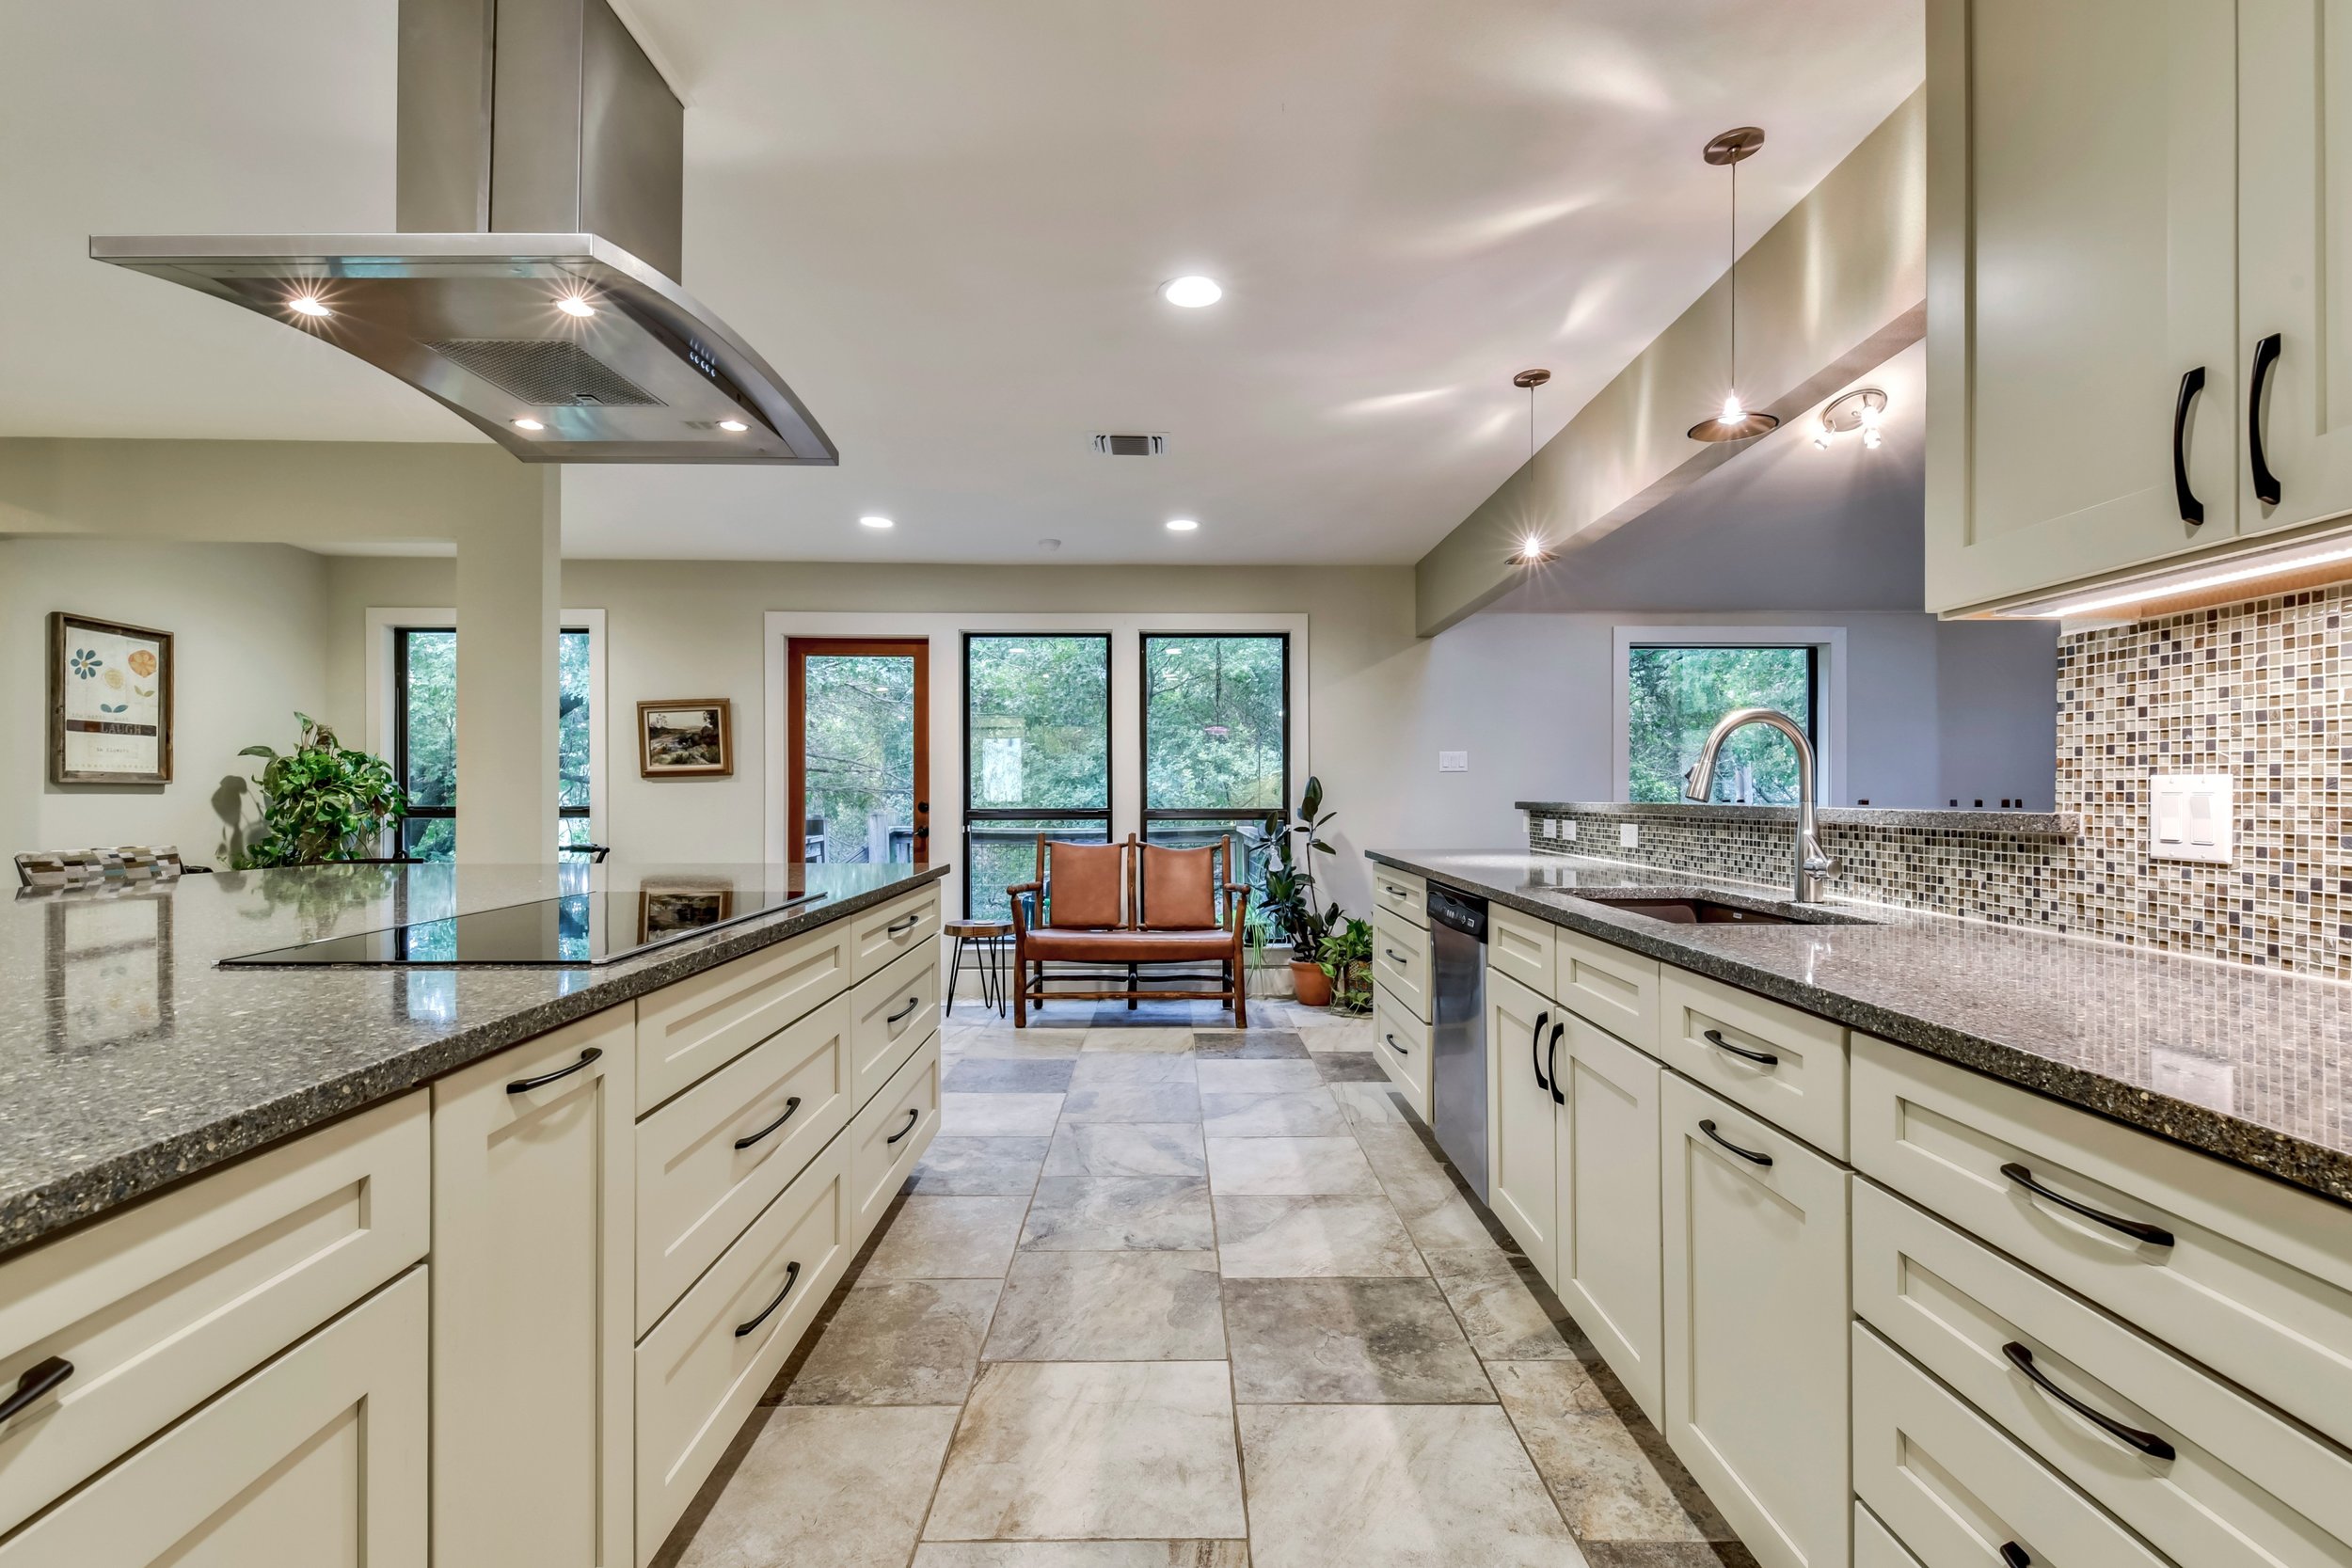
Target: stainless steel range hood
[(536, 140)]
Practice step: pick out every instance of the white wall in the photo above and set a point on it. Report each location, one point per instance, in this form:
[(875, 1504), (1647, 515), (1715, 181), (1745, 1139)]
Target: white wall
[(250, 633)]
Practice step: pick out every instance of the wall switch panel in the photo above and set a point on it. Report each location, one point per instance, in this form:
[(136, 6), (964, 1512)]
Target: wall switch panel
[(1453, 762), (2190, 817), (1629, 836)]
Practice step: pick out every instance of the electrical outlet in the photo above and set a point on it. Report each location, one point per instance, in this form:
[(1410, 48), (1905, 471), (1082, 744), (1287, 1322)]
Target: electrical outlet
[(1629, 836), (1565, 829), (2190, 818), (1453, 762)]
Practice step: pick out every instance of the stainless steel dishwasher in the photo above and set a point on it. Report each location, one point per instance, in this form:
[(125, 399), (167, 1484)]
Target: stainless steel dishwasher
[(1457, 1018)]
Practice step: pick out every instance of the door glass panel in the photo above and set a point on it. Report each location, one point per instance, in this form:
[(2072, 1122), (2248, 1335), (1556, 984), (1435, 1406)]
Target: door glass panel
[(574, 725), (857, 749), (1037, 755)]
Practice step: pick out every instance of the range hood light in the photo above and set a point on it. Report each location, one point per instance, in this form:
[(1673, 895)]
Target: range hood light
[(528, 423), (733, 427), (575, 305), (309, 305)]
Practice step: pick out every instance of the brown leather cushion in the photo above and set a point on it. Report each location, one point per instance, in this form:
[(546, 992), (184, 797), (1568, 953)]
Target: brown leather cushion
[(1083, 886), (1129, 947), (1179, 892)]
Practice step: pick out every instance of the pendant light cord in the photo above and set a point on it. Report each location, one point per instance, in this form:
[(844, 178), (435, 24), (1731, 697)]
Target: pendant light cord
[(1735, 277)]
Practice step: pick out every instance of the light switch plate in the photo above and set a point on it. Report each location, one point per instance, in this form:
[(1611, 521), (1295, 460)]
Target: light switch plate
[(1453, 762), (1629, 836), (2190, 818)]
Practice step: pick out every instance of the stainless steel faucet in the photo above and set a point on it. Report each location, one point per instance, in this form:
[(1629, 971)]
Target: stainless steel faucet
[(1815, 866)]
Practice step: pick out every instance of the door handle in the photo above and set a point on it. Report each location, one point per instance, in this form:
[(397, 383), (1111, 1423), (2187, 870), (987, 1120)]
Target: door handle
[(1395, 956), (1552, 1061), (2015, 1556), (37, 1380), (1535, 1049), (2138, 1230), (792, 1277), (790, 1106), (2192, 510), (524, 1085), (2146, 1442), (1394, 1046), (913, 1003), (1750, 1155), (2266, 482), (896, 927), (914, 1114), (1761, 1058)]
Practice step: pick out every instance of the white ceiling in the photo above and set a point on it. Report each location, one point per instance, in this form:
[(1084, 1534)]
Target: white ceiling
[(944, 223)]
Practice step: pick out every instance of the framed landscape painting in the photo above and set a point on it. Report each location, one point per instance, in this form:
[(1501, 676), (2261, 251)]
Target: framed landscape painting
[(109, 702), (692, 738)]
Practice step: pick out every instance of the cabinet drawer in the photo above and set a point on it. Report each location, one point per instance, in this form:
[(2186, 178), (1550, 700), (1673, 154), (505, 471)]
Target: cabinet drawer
[(317, 1458), (2239, 1474), (705, 1366), (1400, 962), (1604, 984), (889, 1136), (162, 1305), (879, 937), (2256, 1282), (1716, 1033), (1521, 946), (1874, 1545), (710, 1159), (890, 1014), (1955, 1489), (687, 1030), (1401, 893), (1402, 1043)]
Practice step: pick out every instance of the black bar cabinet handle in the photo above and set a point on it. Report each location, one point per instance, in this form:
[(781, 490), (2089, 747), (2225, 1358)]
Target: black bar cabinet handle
[(2146, 1442), (39, 1378), (2266, 482), (1395, 956), (2138, 1230), (914, 1114), (1750, 1155), (908, 923), (1761, 1058), (1394, 1046), (2192, 510), (524, 1085), (790, 1106), (1551, 1062), (1536, 1050), (792, 1277), (913, 1003), (2015, 1556)]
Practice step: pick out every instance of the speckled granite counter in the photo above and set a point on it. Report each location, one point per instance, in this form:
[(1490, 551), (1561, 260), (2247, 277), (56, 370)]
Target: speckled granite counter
[(2251, 1065), (128, 1060)]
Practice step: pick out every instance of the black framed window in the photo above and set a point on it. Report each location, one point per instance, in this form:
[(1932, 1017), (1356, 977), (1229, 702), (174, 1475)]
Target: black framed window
[(1676, 693), (1216, 735), (424, 736), (1037, 755)]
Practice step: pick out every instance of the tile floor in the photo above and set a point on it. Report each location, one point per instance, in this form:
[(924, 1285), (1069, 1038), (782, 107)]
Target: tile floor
[(1165, 1294)]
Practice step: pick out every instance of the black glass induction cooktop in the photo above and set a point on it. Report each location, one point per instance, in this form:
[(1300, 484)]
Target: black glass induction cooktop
[(576, 930)]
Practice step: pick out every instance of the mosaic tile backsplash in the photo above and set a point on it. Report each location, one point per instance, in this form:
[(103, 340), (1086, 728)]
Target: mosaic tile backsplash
[(2251, 689)]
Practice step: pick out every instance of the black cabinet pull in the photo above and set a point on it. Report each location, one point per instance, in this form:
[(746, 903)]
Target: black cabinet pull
[(2146, 1442), (2152, 1235), (1761, 1058), (1394, 1046), (1551, 1062), (2266, 482), (1750, 1155), (2192, 510), (1395, 956), (790, 1106), (792, 1277), (913, 1003), (908, 923), (524, 1085), (1536, 1050), (2015, 1556), (39, 1378), (914, 1114)]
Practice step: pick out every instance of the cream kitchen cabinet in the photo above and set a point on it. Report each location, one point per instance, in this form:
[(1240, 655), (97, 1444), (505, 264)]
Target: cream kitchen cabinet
[(1605, 1156), (1523, 1034), (533, 1302)]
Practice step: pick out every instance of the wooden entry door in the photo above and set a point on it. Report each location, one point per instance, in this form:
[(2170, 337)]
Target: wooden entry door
[(861, 776)]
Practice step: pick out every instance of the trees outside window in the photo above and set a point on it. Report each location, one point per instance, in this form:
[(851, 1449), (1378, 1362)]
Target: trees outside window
[(424, 743), (1673, 696), (1215, 736), (1037, 738)]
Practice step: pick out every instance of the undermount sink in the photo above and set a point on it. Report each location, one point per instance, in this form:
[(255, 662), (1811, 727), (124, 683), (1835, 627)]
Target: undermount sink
[(1706, 911)]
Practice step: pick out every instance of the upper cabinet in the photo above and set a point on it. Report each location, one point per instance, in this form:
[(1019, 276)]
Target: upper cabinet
[(2081, 286)]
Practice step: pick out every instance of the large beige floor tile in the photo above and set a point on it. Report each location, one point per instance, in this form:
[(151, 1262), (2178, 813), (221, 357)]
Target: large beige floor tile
[(1082, 1554), (907, 1342), (1176, 1102), (979, 1167), (1294, 1167), (1100, 1069), (1395, 1487), (1605, 1483), (1371, 1105), (1127, 1148), (1434, 1210), (998, 1116), (1137, 1040), (1358, 1237), (1109, 1307), (1107, 1450), (1494, 1293), (1348, 1342), (827, 1488), (949, 1238), (1230, 1076), (1118, 1213), (1295, 1114)]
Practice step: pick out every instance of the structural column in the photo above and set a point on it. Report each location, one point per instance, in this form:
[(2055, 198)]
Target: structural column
[(509, 614)]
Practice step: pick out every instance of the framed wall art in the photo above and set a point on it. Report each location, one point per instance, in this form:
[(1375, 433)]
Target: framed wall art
[(109, 702), (692, 738)]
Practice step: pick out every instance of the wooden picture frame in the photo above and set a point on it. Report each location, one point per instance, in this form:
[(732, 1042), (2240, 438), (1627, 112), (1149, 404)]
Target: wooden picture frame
[(671, 745), (98, 669)]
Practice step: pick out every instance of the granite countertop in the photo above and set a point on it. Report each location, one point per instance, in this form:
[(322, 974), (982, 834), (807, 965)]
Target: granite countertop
[(128, 1060), (2247, 1065), (2031, 824)]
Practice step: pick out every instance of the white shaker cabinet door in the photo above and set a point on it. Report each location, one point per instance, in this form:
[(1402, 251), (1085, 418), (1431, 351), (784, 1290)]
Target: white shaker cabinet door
[(1523, 1034), (2081, 262), (533, 1302), (1756, 1314), (1606, 1165)]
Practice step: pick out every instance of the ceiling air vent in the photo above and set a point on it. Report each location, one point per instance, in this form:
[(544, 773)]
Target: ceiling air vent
[(1109, 445)]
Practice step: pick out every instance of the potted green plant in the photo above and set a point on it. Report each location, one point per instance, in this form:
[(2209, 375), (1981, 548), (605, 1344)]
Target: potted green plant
[(1346, 963), (322, 801), (1291, 904)]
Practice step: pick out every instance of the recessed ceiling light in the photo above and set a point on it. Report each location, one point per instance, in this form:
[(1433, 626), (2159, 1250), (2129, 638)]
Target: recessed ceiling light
[(1181, 525), (734, 427), (1192, 292), (309, 305), (875, 520), (574, 305), (527, 423)]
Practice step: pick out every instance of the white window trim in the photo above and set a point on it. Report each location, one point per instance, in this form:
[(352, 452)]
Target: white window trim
[(945, 631), (1828, 642), (603, 727)]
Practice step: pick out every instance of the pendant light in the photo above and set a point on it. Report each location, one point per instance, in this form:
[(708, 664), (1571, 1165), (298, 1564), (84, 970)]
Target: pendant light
[(1532, 550), (1735, 422)]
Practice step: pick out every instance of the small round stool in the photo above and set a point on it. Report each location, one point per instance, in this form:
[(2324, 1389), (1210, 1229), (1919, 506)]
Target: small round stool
[(989, 939)]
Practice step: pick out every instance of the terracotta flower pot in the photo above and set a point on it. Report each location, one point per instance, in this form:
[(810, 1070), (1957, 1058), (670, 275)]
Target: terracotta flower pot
[(1311, 985)]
